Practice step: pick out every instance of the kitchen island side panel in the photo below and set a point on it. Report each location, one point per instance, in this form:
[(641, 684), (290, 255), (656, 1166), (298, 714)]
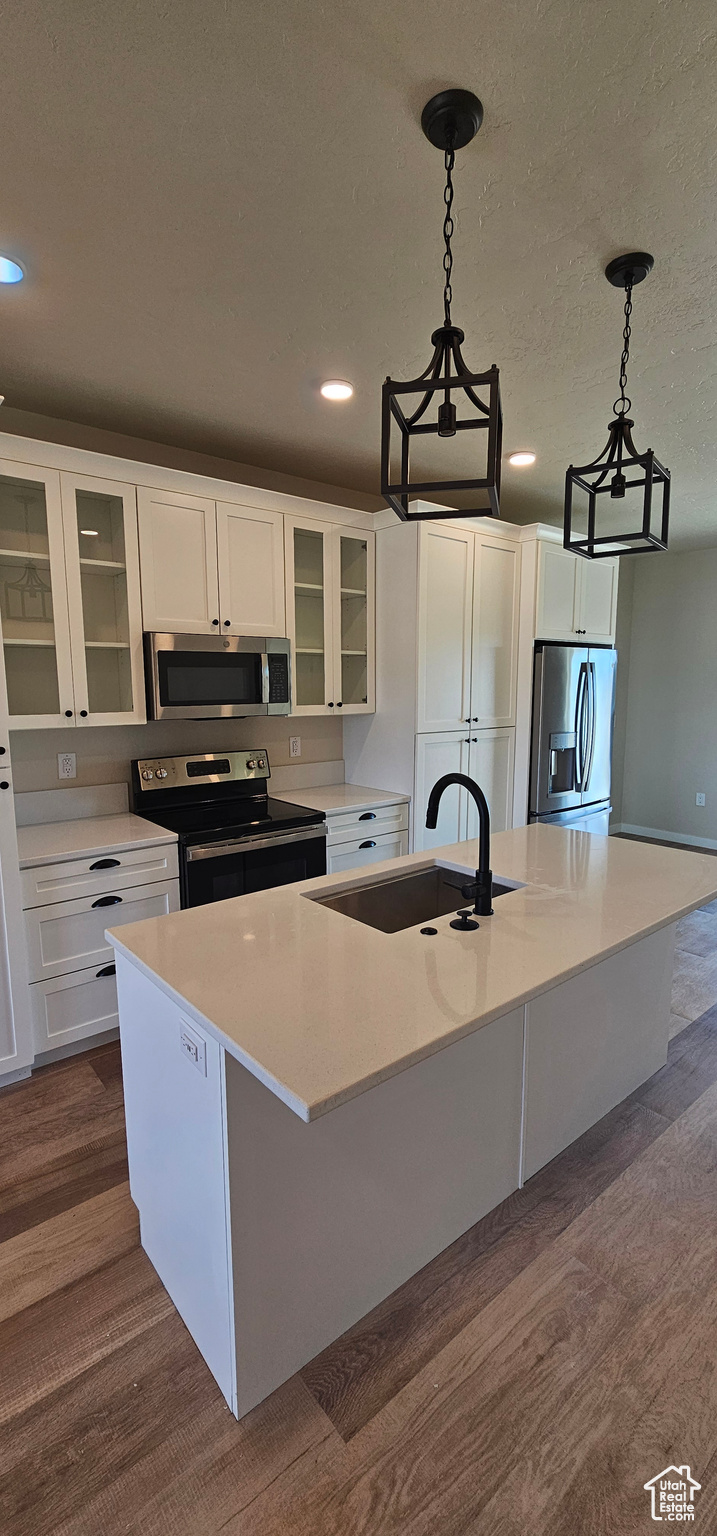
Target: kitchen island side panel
[(176, 1123), (593, 1040), (328, 1218)]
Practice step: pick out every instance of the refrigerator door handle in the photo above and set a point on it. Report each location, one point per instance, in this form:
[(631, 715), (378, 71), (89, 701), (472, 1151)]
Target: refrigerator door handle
[(580, 738), (590, 694)]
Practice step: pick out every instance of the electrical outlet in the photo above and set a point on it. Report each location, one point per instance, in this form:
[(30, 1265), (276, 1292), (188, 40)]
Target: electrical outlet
[(700, 798), (194, 1047), (66, 765), (294, 746)]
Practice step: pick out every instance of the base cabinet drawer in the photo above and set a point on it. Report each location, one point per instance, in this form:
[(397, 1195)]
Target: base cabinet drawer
[(68, 1008), (68, 879), (351, 826), (70, 936), (367, 850)]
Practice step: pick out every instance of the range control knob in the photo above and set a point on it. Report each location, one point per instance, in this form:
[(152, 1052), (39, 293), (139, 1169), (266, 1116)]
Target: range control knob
[(147, 773), (261, 763), (251, 763), (161, 773)]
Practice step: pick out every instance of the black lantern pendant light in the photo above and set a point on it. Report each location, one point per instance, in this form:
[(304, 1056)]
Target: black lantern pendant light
[(451, 399), (620, 469)]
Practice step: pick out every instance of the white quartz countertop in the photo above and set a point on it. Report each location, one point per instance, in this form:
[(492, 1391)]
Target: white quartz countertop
[(340, 797), (53, 841), (320, 1007)]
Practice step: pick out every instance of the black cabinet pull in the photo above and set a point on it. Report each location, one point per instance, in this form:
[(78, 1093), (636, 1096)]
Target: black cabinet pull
[(339, 705), (227, 623), (68, 712), (83, 713), (107, 901), (331, 706), (215, 621), (368, 844), (3, 750), (105, 864), (367, 816), (4, 784), (107, 970)]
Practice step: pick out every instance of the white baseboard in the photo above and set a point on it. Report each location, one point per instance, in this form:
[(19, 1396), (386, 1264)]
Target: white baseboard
[(665, 837), (9, 1078)]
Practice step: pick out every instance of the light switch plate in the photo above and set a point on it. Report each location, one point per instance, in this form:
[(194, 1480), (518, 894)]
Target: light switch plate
[(67, 765), (700, 798), (194, 1048)]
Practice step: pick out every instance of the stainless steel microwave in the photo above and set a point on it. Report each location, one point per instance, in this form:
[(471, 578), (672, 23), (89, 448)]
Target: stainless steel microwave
[(214, 677)]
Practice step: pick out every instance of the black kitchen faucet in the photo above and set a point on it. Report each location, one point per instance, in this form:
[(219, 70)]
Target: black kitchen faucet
[(482, 887)]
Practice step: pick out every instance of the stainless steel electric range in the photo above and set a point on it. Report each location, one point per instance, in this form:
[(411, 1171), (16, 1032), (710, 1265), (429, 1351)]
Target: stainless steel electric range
[(233, 837)]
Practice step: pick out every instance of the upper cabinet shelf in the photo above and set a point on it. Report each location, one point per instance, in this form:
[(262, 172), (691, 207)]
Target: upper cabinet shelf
[(69, 599)]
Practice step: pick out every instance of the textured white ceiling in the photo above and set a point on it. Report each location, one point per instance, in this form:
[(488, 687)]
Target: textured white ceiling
[(221, 202)]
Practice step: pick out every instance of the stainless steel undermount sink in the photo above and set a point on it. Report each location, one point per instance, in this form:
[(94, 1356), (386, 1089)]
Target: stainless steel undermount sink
[(404, 901)]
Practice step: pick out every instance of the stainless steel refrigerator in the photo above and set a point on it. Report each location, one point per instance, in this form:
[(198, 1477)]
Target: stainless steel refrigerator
[(573, 710)]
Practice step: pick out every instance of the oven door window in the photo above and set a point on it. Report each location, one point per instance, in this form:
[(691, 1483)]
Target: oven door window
[(189, 678), (235, 874), (283, 865)]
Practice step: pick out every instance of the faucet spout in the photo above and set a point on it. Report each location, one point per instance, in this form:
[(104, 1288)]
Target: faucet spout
[(484, 876)]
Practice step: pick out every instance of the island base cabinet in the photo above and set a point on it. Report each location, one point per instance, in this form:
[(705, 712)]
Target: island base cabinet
[(593, 1040), (328, 1218), (273, 1235)]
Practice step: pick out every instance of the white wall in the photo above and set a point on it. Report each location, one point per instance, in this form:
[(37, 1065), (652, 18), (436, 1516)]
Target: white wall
[(670, 730)]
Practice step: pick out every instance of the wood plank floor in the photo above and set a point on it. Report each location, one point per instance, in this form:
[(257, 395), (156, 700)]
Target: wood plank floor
[(529, 1380)]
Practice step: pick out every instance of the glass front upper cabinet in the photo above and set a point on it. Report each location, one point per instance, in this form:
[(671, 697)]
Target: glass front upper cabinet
[(331, 601), (103, 584), (33, 597)]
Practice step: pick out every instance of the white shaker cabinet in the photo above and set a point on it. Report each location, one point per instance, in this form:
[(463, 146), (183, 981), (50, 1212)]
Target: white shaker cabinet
[(469, 587), (330, 610), (69, 599), (210, 567), (486, 757), (444, 627), (250, 554), (576, 598), (178, 562)]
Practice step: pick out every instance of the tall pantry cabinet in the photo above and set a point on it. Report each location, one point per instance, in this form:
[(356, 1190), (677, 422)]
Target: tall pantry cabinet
[(447, 633), (16, 1045)]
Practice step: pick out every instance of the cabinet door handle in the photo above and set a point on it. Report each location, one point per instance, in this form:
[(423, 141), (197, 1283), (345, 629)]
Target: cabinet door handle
[(107, 970), (68, 712), (105, 864), (83, 713), (339, 705), (330, 706), (367, 816), (4, 784), (107, 901), (215, 621), (227, 623), (367, 844)]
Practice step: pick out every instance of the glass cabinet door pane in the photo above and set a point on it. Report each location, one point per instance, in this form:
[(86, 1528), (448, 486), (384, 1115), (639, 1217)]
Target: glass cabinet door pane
[(354, 621), (105, 618), (309, 617), (26, 608)]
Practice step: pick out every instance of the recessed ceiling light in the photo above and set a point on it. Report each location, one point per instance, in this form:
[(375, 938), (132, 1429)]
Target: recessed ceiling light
[(337, 389), (521, 460), (90, 533), (10, 271)]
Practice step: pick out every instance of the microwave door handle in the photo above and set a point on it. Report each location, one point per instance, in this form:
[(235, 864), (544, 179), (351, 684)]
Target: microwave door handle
[(265, 677)]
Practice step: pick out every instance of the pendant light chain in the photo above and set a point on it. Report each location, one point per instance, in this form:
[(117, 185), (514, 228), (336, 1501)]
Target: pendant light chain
[(450, 160), (624, 403)]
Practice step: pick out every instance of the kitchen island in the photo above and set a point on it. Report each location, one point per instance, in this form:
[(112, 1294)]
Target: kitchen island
[(316, 1108)]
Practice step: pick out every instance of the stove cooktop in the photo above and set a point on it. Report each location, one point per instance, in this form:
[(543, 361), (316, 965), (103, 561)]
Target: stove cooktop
[(238, 817)]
